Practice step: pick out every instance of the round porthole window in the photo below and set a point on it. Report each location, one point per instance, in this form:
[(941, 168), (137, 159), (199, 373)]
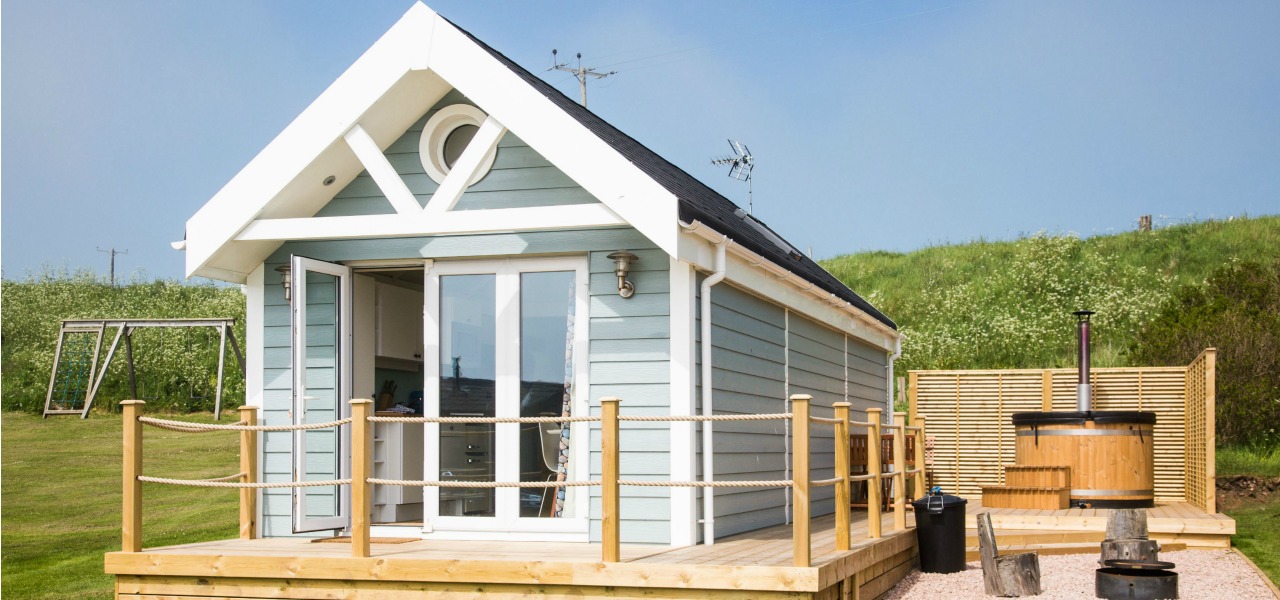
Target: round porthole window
[(444, 138)]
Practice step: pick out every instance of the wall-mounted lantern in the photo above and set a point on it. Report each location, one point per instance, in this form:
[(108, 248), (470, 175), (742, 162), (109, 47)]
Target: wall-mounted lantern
[(621, 266), (286, 280)]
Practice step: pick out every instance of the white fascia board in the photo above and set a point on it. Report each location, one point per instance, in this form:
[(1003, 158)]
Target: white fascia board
[(401, 49), (760, 276), (575, 216), (561, 139)]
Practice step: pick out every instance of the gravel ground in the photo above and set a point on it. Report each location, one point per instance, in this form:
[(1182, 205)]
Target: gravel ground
[(1201, 574)]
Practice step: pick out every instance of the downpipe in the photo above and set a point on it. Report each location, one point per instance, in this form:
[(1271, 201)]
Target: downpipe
[(708, 452)]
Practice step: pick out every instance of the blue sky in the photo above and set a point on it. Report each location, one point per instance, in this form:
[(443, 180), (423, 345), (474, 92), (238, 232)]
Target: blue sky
[(875, 125)]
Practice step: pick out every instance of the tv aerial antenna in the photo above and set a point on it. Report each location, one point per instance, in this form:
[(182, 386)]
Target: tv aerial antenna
[(740, 164)]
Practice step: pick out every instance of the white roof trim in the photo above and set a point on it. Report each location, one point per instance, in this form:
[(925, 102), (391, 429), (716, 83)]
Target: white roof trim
[(405, 71)]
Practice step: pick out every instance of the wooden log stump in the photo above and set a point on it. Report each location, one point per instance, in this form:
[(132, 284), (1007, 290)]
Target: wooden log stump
[(1127, 524), (1011, 575), (1145, 550)]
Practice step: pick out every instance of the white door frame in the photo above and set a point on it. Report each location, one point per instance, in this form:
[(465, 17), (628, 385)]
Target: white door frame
[(299, 266), (507, 524)]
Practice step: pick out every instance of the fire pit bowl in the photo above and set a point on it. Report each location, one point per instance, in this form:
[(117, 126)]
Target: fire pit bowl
[(1136, 580)]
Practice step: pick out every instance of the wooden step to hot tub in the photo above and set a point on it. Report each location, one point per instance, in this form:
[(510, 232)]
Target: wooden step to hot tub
[(1035, 497), (1037, 476)]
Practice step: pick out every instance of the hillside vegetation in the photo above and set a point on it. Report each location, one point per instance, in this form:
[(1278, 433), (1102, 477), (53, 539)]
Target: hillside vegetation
[(176, 368), (1161, 297)]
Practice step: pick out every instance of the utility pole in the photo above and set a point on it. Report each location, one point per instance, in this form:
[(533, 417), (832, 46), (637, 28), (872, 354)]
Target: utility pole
[(113, 252), (579, 73)]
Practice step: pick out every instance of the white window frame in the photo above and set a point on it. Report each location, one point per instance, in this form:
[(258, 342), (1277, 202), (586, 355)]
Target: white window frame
[(507, 524)]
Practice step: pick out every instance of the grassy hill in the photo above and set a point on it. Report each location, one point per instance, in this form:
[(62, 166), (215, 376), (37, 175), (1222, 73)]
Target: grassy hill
[(1008, 304)]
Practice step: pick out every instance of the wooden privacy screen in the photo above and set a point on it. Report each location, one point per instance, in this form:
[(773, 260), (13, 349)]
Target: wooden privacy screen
[(1201, 435), (973, 438)]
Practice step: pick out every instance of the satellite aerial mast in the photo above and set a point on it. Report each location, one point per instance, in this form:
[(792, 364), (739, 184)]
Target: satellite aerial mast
[(740, 165)]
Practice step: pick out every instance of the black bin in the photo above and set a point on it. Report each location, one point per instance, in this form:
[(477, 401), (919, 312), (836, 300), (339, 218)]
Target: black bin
[(940, 532)]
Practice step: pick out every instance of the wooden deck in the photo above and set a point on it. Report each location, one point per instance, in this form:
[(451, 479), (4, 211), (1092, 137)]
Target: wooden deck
[(750, 565), (1173, 524)]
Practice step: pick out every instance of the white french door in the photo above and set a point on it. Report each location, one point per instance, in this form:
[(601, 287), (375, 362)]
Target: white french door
[(320, 315), (507, 338)]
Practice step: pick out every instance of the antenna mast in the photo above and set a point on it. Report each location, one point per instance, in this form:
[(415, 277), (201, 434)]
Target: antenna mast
[(579, 73), (740, 165)]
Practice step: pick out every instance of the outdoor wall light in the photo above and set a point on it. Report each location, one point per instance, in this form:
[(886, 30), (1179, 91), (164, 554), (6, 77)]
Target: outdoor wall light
[(621, 266), (286, 280)]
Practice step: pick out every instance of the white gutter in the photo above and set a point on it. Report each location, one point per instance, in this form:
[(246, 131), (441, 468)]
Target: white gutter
[(708, 454), (707, 233), (897, 352)]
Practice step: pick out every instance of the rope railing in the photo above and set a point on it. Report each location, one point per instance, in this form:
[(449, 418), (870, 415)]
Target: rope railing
[(481, 484), (361, 480), (187, 427), (674, 418), (483, 420)]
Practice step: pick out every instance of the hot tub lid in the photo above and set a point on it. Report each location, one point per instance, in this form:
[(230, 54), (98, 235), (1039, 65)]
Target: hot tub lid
[(1134, 417)]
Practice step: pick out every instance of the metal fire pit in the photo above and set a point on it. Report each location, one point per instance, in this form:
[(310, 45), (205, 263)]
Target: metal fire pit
[(1136, 580)]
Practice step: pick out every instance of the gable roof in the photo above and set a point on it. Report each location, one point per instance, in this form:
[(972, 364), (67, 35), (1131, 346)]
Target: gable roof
[(697, 201), (392, 84)]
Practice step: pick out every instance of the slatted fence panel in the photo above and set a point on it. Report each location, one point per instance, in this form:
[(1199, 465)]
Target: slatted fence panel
[(1200, 406), (973, 437)]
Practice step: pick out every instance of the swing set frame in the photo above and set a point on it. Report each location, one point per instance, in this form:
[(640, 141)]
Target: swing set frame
[(125, 329)]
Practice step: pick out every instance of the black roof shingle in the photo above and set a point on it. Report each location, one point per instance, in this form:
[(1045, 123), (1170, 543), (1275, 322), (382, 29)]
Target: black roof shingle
[(698, 202)]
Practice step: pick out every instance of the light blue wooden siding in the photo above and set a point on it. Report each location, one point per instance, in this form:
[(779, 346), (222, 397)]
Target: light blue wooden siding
[(762, 354), (748, 337), (867, 373), (816, 367), (629, 354), (520, 177)]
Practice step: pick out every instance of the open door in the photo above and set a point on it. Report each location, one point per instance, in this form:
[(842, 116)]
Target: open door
[(320, 310)]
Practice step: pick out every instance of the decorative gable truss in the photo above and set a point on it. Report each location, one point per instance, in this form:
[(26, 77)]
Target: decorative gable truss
[(438, 216), (275, 198)]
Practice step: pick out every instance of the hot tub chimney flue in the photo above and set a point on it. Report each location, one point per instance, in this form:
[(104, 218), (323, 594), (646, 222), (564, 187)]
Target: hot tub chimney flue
[(1084, 391)]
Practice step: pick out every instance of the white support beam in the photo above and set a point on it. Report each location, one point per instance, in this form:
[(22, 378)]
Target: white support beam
[(466, 167), (577, 216), (380, 169)]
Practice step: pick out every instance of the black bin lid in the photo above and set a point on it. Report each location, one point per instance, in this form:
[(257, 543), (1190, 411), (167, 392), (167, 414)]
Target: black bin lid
[(947, 500)]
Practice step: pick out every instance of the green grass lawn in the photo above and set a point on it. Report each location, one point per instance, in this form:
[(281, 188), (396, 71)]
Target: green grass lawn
[(61, 499), (1258, 534)]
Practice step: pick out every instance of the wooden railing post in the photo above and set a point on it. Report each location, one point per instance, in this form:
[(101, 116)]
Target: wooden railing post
[(249, 466), (800, 478), (361, 469), (921, 482), (842, 473), (131, 522), (900, 470), (610, 523), (875, 484)]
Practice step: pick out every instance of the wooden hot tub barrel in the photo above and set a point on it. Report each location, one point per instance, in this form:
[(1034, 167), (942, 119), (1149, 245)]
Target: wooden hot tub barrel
[(1110, 453)]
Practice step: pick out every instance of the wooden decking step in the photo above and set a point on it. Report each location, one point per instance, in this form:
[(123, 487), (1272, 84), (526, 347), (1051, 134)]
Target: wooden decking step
[(1016, 537), (1033, 497), (1037, 476), (971, 552)]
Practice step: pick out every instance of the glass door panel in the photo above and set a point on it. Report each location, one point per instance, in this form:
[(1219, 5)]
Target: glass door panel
[(468, 388), (321, 367), (547, 303)]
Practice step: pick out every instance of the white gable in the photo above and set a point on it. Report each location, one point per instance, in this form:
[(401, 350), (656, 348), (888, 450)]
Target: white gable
[(412, 66)]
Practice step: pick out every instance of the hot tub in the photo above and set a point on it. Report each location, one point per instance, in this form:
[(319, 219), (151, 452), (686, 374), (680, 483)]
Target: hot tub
[(1110, 453)]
